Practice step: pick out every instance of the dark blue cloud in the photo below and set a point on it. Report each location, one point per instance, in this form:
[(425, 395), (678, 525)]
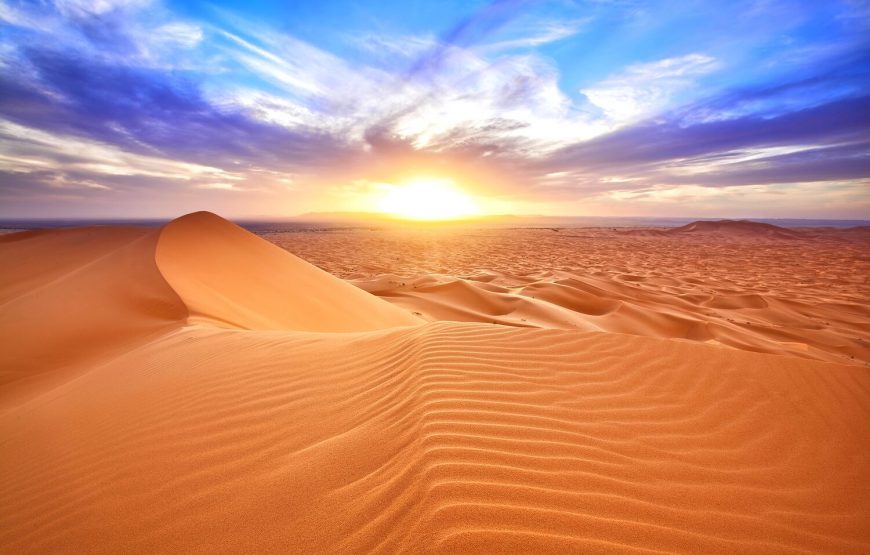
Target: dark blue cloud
[(654, 144), (148, 112), (846, 162)]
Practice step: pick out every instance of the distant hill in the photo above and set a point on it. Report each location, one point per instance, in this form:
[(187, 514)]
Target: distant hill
[(735, 228)]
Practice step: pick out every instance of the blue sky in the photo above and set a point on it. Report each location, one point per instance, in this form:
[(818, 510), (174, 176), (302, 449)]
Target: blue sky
[(750, 108)]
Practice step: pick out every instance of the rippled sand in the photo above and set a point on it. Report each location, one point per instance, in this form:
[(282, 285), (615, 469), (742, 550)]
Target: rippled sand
[(195, 389)]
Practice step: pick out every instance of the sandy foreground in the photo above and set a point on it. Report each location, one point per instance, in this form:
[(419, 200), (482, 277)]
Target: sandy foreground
[(198, 389)]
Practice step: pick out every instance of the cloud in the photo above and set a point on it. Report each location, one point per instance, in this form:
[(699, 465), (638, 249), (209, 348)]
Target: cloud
[(452, 96), (654, 142), (756, 167), (97, 7), (219, 185), (26, 150), (644, 89), (821, 148), (149, 112), (534, 33), (139, 33), (836, 199), (100, 97), (834, 71)]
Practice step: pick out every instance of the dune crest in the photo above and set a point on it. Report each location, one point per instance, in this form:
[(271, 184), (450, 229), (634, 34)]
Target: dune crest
[(231, 277)]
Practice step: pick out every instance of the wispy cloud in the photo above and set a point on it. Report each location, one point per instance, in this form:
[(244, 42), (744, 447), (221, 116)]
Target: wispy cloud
[(534, 33), (644, 89), (28, 150)]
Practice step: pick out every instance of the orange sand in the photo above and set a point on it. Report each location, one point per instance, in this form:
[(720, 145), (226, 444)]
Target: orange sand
[(747, 285), (195, 389)]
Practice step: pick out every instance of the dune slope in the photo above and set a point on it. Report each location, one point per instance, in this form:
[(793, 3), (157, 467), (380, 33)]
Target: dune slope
[(231, 277), (222, 435), (70, 297)]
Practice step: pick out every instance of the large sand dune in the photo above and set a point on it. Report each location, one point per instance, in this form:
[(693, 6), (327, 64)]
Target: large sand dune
[(212, 393), (229, 277)]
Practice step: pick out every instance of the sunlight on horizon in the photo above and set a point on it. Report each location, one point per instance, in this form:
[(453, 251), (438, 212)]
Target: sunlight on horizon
[(427, 199)]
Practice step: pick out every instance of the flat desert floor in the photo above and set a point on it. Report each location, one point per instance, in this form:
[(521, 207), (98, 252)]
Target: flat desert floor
[(197, 389)]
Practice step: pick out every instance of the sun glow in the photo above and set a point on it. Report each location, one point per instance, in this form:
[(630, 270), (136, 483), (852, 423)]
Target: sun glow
[(427, 199)]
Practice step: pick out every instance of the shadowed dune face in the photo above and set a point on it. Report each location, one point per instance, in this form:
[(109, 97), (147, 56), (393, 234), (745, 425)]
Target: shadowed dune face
[(71, 297), (222, 418)]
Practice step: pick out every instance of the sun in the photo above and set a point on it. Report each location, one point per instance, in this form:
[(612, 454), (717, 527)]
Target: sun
[(427, 199)]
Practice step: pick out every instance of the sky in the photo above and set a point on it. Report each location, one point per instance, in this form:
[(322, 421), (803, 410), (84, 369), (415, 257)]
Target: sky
[(272, 108)]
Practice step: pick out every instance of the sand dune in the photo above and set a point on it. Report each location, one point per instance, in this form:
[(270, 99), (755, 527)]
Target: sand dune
[(226, 416), (73, 296), (68, 298), (230, 277), (736, 228), (743, 287), (739, 230), (752, 322)]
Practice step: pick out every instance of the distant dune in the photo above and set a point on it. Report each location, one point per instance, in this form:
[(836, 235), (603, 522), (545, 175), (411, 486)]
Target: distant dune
[(804, 296), (737, 228), (196, 389), (734, 229)]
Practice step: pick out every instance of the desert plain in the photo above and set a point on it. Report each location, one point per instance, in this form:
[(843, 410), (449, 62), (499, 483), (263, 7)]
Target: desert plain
[(197, 388)]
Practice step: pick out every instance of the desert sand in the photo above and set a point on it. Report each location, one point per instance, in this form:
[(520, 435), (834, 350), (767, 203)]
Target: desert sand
[(748, 285), (197, 389)]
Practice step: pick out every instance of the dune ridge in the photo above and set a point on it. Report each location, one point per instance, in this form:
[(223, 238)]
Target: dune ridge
[(73, 296), (265, 288), (223, 433)]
